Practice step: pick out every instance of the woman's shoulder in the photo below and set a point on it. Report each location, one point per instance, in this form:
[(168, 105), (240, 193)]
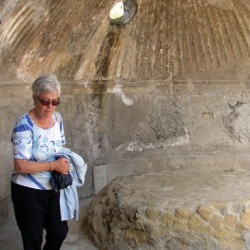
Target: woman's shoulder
[(24, 121), (57, 116)]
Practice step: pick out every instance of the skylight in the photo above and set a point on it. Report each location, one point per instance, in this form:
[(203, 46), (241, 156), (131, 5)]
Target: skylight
[(122, 11)]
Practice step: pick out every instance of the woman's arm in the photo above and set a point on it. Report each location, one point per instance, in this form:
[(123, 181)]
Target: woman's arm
[(29, 167)]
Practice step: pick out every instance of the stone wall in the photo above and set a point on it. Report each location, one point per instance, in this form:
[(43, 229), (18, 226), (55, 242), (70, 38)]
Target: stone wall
[(130, 129), (162, 124)]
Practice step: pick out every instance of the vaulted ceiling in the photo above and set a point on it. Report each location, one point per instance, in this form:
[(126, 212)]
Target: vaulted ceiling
[(166, 39)]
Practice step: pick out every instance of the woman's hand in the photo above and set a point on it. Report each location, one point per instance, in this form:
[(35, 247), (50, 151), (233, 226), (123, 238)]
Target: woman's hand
[(61, 166)]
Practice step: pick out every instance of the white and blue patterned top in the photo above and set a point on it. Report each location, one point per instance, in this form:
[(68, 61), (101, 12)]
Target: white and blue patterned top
[(31, 142)]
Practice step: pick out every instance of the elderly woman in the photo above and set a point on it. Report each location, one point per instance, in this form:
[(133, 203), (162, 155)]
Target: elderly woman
[(37, 137)]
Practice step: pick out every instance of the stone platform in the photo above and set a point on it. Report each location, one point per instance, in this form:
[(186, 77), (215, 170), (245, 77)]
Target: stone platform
[(198, 208)]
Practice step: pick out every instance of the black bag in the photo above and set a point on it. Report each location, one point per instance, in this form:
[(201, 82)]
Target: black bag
[(59, 181)]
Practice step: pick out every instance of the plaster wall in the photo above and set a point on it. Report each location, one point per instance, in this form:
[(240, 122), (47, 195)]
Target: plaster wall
[(177, 124)]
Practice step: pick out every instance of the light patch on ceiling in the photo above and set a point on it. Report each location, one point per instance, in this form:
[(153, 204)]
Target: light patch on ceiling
[(122, 11), (117, 11)]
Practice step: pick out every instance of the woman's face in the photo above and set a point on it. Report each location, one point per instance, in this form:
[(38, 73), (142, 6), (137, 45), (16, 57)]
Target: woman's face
[(43, 109)]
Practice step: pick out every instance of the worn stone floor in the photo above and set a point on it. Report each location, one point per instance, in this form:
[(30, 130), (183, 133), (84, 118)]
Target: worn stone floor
[(10, 238)]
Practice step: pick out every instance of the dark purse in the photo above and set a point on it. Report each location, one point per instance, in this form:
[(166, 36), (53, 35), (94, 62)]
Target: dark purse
[(59, 181)]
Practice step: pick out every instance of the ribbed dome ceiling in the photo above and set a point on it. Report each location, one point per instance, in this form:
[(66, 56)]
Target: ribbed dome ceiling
[(182, 39)]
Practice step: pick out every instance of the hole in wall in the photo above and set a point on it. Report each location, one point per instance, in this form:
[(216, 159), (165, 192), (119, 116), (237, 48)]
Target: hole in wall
[(122, 11)]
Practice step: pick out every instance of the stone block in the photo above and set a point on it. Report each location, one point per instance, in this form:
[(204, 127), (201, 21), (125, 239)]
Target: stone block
[(239, 229), (135, 235), (234, 235), (195, 222), (223, 233), (228, 245), (245, 217), (216, 222), (230, 220), (100, 177), (154, 230), (167, 219), (152, 214), (206, 230), (246, 209), (180, 227), (182, 213), (206, 212), (221, 208)]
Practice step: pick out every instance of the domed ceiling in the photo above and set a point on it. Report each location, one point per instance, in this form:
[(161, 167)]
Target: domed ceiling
[(166, 39)]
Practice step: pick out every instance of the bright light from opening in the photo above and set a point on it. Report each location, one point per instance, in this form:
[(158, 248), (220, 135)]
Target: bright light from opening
[(117, 10)]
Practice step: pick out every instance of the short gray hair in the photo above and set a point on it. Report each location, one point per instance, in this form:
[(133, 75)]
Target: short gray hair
[(46, 83)]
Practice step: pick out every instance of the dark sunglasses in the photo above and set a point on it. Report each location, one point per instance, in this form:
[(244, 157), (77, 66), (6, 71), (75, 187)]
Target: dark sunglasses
[(46, 102)]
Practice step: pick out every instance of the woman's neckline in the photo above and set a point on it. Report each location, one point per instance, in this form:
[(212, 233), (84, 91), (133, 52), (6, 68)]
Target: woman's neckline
[(36, 122)]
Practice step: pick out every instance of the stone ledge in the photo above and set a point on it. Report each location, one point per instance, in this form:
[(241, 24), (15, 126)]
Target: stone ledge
[(181, 209)]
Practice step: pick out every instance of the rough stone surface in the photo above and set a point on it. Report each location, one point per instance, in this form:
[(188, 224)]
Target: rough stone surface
[(176, 209), (206, 39)]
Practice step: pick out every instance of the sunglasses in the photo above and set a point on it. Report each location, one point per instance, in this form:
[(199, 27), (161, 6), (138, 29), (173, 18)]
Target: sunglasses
[(47, 102)]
